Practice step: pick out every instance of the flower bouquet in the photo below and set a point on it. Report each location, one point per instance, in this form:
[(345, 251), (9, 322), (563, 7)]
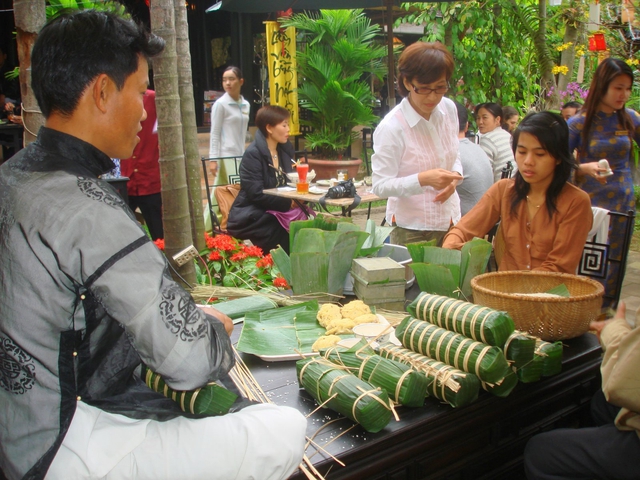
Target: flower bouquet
[(229, 262)]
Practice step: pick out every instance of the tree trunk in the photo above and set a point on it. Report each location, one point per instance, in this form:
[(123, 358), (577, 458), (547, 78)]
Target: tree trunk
[(175, 197), (568, 56), (497, 40), (189, 126), (548, 81), (30, 16)]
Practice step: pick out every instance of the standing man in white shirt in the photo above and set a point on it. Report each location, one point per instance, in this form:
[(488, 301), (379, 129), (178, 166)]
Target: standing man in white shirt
[(416, 161)]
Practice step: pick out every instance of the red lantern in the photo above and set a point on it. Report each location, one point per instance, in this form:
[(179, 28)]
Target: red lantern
[(597, 43)]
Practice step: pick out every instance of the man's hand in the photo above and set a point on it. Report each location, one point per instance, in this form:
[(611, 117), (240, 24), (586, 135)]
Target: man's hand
[(599, 325), (226, 321)]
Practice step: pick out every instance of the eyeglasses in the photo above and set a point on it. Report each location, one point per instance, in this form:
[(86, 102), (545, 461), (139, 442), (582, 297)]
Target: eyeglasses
[(427, 91)]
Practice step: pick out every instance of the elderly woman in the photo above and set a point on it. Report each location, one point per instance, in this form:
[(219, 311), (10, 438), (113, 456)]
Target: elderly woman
[(544, 220), (416, 163), (262, 167)]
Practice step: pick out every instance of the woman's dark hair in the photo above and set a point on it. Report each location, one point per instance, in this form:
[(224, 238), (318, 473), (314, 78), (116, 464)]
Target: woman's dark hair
[(553, 134), (607, 71), (425, 62), (236, 71), (270, 115), (74, 48), (493, 108), (572, 104), (507, 113)]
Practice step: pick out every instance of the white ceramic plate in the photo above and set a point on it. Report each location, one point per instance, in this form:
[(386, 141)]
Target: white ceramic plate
[(317, 191), (323, 183)]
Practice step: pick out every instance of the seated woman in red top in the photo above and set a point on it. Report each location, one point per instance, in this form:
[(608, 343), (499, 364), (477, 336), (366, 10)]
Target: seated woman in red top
[(544, 221)]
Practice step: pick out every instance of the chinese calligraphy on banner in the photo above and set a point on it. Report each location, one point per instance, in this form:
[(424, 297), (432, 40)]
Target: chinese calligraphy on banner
[(283, 78)]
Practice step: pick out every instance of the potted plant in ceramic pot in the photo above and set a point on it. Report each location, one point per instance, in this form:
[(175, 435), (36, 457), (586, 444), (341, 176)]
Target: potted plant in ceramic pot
[(339, 54)]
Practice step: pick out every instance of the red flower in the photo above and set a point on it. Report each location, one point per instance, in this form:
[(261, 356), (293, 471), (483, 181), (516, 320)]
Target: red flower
[(238, 257), (215, 255), (280, 282), (252, 251), (159, 243), (265, 261), (208, 239), (224, 243)]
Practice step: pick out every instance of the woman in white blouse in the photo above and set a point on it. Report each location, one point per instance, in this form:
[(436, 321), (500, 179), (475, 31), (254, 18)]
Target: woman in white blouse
[(416, 164), (494, 140), (229, 123)]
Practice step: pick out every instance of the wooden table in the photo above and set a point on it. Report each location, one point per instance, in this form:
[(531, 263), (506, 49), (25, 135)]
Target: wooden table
[(484, 440), (343, 203)]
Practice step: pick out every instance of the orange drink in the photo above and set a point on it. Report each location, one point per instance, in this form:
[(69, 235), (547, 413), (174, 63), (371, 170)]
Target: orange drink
[(303, 185)]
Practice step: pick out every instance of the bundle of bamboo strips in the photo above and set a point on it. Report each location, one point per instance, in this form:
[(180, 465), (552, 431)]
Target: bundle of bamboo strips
[(204, 293)]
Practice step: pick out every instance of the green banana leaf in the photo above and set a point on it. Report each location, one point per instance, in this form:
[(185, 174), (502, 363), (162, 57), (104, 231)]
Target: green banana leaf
[(416, 250), (375, 240), (474, 259), (435, 279), (275, 332)]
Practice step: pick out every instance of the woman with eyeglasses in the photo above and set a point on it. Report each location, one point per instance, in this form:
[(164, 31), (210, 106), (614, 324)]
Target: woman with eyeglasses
[(416, 164), (494, 140)]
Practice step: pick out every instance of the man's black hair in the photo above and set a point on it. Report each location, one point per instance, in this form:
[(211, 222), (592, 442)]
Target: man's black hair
[(74, 48), (463, 116), (577, 105)]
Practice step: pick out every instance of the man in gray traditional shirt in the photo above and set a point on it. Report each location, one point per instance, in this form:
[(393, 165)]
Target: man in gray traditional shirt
[(478, 172), (85, 297)]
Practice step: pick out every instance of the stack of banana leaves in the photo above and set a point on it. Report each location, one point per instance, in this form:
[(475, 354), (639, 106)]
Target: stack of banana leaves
[(322, 250), (239, 307), (282, 331), (448, 272)]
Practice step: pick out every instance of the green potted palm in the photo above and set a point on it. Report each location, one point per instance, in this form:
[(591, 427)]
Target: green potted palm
[(338, 55)]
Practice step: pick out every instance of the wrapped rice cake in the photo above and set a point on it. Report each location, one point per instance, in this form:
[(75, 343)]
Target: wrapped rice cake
[(481, 323), (345, 393), (453, 386), (403, 384), (485, 361)]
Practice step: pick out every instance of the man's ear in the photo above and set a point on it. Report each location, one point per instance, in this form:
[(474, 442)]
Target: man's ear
[(101, 90)]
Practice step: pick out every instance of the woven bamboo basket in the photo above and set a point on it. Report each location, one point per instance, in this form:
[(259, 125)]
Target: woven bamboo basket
[(550, 318)]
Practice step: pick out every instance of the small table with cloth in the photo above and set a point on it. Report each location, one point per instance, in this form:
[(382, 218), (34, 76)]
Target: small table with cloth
[(344, 203)]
